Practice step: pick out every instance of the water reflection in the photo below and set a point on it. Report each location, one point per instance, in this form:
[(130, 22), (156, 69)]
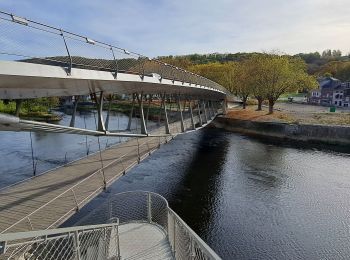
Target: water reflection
[(248, 199)]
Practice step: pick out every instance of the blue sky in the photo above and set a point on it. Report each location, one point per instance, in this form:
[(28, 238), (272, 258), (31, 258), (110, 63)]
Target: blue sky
[(160, 27)]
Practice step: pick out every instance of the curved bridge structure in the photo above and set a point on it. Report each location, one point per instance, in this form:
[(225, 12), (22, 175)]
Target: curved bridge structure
[(38, 60)]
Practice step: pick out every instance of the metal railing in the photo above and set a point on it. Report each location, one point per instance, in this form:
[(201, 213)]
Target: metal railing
[(87, 242), (25, 40), (76, 196), (97, 179), (105, 241)]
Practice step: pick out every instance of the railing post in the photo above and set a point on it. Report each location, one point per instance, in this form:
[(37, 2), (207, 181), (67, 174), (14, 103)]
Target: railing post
[(76, 245), (193, 251), (70, 66), (149, 207), (138, 150), (75, 200), (149, 150), (30, 223), (118, 241), (115, 62), (174, 249)]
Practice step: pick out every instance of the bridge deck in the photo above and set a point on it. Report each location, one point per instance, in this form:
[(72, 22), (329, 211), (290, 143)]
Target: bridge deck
[(49, 199), (143, 241)]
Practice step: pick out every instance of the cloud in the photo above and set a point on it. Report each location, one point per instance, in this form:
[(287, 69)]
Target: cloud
[(161, 27)]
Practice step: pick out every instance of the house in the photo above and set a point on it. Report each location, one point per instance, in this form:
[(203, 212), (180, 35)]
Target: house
[(341, 95), (327, 86), (315, 96)]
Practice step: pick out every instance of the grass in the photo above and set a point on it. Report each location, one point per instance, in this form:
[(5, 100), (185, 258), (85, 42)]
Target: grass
[(37, 112), (322, 118)]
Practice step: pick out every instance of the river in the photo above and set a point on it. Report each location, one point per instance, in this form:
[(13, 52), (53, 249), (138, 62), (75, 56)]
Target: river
[(246, 198)]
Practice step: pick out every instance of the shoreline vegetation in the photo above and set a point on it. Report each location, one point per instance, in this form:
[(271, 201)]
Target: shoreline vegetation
[(30, 110)]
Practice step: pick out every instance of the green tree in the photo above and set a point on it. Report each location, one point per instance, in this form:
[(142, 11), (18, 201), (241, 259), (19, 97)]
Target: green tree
[(281, 74)]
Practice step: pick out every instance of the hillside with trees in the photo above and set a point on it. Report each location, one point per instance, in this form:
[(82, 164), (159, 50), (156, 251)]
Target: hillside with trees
[(264, 76)]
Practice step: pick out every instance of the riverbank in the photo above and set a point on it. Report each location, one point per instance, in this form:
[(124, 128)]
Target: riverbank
[(283, 126)]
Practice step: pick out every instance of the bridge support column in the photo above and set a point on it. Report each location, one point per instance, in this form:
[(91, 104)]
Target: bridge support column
[(131, 111), (167, 130), (99, 104), (109, 111), (160, 109), (193, 126), (148, 107), (142, 117), (72, 120), (210, 112), (205, 113), (199, 113), (212, 108), (181, 115)]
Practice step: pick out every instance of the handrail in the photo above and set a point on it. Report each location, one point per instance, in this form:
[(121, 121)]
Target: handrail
[(68, 190), (179, 74), (49, 232), (204, 247)]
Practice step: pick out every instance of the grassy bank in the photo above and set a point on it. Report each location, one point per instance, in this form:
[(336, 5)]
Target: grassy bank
[(299, 115), (31, 110)]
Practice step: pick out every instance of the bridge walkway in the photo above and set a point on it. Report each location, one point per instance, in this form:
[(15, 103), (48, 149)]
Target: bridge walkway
[(47, 200)]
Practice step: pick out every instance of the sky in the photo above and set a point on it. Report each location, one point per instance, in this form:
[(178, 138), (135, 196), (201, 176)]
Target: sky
[(178, 27)]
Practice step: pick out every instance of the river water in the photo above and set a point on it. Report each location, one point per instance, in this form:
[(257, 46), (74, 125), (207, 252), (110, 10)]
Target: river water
[(246, 198)]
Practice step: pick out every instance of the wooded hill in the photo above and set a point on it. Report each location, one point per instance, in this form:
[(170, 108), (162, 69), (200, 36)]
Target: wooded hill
[(330, 62)]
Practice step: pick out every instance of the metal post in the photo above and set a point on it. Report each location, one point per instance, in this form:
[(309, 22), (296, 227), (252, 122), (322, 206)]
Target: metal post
[(211, 114), (75, 200), (148, 107), (72, 120), (149, 207), (192, 120), (181, 116), (99, 103), (118, 242), (174, 249), (76, 245), (160, 110), (138, 150), (205, 113), (167, 131), (184, 109), (142, 117), (199, 114), (116, 63), (70, 66), (108, 111), (212, 108), (30, 224), (131, 112), (193, 251)]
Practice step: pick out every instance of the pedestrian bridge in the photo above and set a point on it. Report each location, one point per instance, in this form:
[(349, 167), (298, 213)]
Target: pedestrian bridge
[(38, 60)]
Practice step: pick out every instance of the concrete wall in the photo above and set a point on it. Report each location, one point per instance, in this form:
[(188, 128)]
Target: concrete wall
[(338, 135)]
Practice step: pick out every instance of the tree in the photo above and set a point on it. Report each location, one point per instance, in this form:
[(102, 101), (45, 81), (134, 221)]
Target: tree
[(244, 80), (281, 74)]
